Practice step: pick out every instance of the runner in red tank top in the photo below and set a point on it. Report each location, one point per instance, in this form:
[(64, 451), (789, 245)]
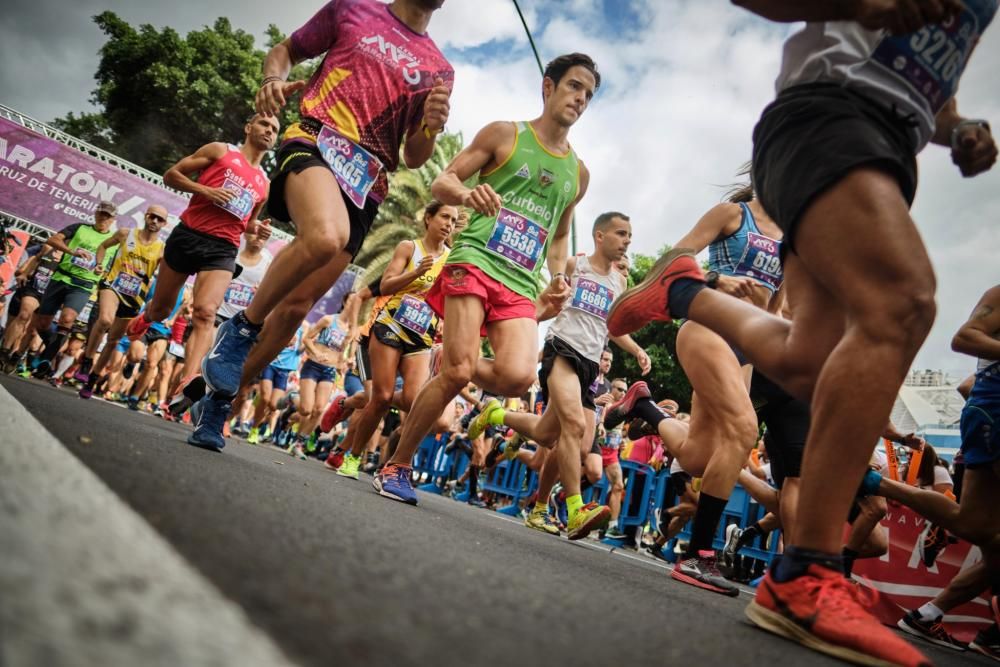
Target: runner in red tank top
[(226, 197), (383, 83)]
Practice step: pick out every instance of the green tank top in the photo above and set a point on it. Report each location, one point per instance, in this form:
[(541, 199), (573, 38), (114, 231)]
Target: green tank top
[(77, 270), (536, 186)]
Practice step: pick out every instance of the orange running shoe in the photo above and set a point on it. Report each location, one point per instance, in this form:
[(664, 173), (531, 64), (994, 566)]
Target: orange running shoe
[(334, 413), (647, 301), (823, 611)]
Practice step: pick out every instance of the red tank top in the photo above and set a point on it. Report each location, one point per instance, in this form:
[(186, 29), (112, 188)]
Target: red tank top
[(231, 172)]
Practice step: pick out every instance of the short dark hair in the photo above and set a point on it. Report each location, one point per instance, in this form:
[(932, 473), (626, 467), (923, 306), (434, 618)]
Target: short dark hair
[(556, 69), (604, 219)]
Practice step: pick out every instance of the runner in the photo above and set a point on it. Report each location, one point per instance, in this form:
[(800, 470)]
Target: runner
[(856, 331), (274, 384), (404, 329), (325, 343), (32, 279), (610, 446), (358, 109), (227, 196), (570, 374), (72, 283), (491, 282), (122, 292)]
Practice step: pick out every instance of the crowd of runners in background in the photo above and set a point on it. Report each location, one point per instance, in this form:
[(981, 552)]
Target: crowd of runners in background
[(794, 345)]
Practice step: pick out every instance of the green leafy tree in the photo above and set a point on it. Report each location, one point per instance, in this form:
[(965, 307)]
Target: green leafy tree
[(666, 379), (160, 95)]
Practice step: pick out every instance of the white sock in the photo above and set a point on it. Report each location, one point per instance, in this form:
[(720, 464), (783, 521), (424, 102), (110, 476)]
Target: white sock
[(929, 612), (64, 364)]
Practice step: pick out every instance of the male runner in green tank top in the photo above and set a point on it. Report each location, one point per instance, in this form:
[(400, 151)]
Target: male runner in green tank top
[(530, 181)]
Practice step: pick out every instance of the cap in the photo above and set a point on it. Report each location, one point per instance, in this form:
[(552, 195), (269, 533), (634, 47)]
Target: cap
[(107, 207)]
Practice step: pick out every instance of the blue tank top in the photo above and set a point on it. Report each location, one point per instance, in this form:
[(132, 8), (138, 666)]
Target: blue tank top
[(288, 359), (333, 336), (748, 253)]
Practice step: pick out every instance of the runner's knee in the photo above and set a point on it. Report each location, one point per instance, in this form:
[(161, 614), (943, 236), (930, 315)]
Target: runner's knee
[(204, 314)]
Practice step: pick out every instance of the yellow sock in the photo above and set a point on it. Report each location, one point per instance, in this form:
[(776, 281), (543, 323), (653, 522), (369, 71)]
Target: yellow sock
[(541, 508), (573, 505)]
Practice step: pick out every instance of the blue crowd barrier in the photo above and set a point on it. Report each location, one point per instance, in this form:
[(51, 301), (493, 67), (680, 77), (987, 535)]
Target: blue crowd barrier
[(513, 480)]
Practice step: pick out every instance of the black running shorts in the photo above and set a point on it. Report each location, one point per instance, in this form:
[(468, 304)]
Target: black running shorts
[(585, 369), (813, 135), (296, 156), (189, 251)]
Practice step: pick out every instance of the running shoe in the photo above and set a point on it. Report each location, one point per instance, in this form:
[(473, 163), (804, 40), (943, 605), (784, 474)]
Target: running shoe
[(987, 642), (209, 416), (932, 631), (334, 413), (512, 447), (618, 412), (334, 459), (133, 403), (137, 327), (647, 301), (476, 502), (492, 415), (42, 370), (615, 533), (733, 534), (253, 437), (86, 391), (298, 451), (656, 551), (395, 481), (82, 373), (349, 468), (935, 541), (703, 571), (543, 522), (588, 518), (822, 611), (222, 367)]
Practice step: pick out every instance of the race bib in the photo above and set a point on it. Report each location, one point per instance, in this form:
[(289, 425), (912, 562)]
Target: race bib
[(242, 204), (84, 315), (414, 314), (932, 59), (239, 295), (89, 262), (332, 337), (518, 239), (354, 168), (592, 297), (761, 260), (613, 439), (41, 279), (127, 285), (176, 349)]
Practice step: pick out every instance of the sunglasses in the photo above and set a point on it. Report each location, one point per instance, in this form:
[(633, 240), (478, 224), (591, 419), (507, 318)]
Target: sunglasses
[(157, 218), (619, 388)]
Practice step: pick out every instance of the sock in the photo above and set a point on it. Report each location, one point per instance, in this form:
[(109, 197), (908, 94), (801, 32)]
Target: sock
[(681, 294), (706, 522), (648, 411), (929, 612), (128, 371), (53, 344), (849, 556), (473, 482), (240, 320), (796, 561), (540, 508), (91, 380), (573, 505), (749, 535), (63, 366)]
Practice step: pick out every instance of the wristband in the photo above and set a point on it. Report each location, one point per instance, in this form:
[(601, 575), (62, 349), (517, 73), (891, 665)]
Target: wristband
[(269, 79), (556, 275), (428, 132), (978, 122)]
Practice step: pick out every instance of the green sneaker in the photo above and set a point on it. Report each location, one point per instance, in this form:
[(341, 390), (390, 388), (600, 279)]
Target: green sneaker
[(492, 415), (253, 437), (349, 468), (542, 521), (511, 448), (590, 517)]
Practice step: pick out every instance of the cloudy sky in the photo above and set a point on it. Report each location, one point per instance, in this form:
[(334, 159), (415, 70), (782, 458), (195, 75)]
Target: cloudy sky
[(684, 82)]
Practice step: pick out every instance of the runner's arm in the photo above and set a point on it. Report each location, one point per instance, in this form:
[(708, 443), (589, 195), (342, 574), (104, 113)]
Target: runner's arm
[(559, 246), (491, 146), (58, 242), (394, 278), (31, 265), (113, 240), (178, 176), (626, 343), (310, 337), (977, 337), (547, 308), (720, 221), (901, 18)]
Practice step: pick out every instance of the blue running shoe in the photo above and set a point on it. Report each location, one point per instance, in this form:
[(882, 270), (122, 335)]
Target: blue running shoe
[(222, 367), (395, 481), (209, 415)]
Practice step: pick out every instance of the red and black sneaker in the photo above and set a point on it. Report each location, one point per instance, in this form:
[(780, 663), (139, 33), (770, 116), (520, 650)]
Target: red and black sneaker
[(933, 631), (823, 611), (334, 413), (137, 327), (702, 571), (647, 301), (618, 412)]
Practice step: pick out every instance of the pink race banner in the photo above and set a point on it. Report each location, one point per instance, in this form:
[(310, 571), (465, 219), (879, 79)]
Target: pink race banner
[(904, 582), (52, 185)]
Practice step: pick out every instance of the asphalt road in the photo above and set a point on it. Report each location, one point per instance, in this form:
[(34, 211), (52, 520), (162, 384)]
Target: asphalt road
[(335, 574)]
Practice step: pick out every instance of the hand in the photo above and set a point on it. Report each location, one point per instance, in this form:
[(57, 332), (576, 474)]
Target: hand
[(20, 279), (557, 290), (219, 196), (913, 441), (483, 199), (426, 262), (974, 150), (263, 230), (738, 287), (904, 16), (436, 106), (272, 95), (603, 399), (645, 365), (82, 253)]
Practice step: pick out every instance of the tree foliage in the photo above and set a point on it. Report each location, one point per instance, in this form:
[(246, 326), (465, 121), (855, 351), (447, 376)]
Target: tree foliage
[(161, 95), (667, 379)]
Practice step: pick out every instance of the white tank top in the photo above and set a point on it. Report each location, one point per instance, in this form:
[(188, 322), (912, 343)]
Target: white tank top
[(915, 73), (583, 321), (241, 290)]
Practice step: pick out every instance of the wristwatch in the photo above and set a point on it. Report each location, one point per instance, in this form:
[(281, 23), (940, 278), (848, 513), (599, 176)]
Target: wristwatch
[(712, 279), (978, 122)]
